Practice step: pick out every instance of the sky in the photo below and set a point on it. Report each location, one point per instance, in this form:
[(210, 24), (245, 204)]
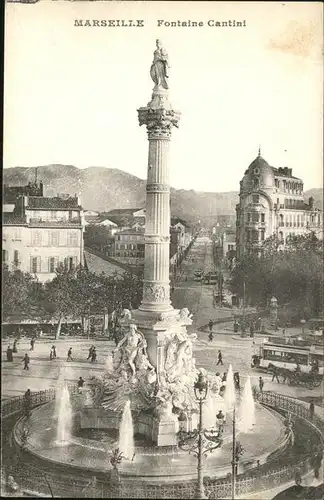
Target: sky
[(72, 93)]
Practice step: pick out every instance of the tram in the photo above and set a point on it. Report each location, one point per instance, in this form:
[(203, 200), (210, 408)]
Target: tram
[(288, 356)]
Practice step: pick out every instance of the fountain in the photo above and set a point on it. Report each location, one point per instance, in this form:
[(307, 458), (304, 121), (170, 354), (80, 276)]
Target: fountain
[(109, 367), (229, 395), (246, 414), (64, 413), (126, 434)]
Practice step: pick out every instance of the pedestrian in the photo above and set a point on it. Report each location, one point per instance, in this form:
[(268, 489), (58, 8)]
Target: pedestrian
[(275, 375), (283, 332), (94, 355), (219, 379), (210, 336), (14, 349), (27, 403), (51, 354), (261, 384), (220, 419), (90, 352), (9, 354), (210, 325), (69, 355), (80, 383), (32, 343), (237, 381), (252, 330), (26, 361), (54, 351), (311, 410), (12, 485), (220, 358)]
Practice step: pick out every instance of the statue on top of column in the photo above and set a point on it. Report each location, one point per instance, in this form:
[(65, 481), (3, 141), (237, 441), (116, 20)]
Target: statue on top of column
[(160, 65)]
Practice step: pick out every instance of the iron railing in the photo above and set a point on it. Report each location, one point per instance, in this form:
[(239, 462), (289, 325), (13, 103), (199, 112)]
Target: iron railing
[(79, 486)]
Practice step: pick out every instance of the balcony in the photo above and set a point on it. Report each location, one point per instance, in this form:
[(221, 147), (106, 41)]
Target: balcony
[(75, 221)]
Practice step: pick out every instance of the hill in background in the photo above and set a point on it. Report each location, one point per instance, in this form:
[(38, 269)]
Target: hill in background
[(104, 189)]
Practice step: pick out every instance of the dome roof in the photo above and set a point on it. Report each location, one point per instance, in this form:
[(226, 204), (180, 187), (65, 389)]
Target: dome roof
[(259, 162), (259, 173)]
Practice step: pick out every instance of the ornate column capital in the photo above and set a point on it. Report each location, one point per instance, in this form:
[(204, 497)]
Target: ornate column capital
[(158, 121)]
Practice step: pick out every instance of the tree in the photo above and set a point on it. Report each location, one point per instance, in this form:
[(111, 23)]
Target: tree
[(21, 293), (98, 237), (293, 275), (60, 295)]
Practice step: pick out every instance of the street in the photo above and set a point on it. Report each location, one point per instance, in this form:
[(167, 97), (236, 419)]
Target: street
[(197, 297)]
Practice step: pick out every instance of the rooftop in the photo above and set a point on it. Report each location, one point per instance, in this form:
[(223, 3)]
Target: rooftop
[(12, 219), (46, 203), (122, 211), (140, 230), (97, 265), (284, 172)]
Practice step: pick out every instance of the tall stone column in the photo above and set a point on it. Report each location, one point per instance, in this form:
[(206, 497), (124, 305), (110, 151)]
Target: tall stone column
[(159, 119)]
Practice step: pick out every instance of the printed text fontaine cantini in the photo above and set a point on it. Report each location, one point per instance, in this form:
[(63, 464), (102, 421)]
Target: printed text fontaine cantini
[(140, 23)]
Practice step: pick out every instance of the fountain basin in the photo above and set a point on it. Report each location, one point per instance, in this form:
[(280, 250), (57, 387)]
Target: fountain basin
[(152, 463)]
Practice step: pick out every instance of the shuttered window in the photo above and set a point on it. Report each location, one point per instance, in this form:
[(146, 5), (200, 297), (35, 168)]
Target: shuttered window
[(35, 265)]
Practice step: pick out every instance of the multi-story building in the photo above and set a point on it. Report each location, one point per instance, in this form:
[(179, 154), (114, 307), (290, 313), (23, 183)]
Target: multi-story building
[(229, 245), (39, 233), (130, 246), (272, 203)]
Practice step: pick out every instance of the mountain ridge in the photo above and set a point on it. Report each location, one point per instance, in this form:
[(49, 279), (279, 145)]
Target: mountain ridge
[(104, 189)]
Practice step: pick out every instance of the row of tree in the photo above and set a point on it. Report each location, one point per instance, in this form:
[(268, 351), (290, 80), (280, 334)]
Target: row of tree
[(293, 275), (74, 293)]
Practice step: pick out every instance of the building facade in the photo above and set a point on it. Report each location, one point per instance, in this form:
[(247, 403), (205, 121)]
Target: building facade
[(130, 246), (39, 233), (272, 203)]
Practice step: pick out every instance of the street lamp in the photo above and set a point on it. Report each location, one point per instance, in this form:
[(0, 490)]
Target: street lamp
[(200, 441), (237, 450)]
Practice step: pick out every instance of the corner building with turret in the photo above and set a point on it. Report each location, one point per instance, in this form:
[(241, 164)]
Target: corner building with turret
[(272, 203)]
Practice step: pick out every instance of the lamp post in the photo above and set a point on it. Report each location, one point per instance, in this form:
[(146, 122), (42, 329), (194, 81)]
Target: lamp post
[(237, 450), (200, 441)]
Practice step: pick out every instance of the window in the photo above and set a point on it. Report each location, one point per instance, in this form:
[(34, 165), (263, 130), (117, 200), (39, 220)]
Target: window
[(16, 258), (72, 239), (255, 236), (5, 256), (262, 234), (255, 198), (281, 237), (255, 217), (52, 264), (70, 263), (18, 233), (35, 265), (249, 217), (36, 238), (54, 238), (262, 217)]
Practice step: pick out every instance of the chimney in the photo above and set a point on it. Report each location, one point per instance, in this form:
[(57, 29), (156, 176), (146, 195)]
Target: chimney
[(311, 203)]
